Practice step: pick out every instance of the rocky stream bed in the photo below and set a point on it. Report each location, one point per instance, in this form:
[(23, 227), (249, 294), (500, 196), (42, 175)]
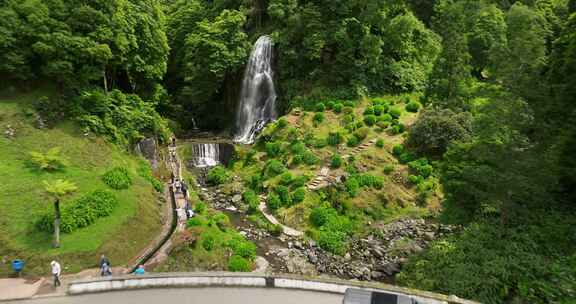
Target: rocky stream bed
[(375, 257)]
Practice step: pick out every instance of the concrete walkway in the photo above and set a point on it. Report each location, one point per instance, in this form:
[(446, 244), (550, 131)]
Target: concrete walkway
[(19, 288), (285, 229)]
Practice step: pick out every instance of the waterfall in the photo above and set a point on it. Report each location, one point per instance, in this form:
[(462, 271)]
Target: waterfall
[(206, 155), (258, 96)]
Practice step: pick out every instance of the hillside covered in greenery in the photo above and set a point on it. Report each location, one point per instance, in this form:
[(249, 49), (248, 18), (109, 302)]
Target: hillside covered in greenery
[(458, 112)]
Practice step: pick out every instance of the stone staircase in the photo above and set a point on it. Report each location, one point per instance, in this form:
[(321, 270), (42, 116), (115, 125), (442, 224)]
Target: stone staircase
[(324, 178)]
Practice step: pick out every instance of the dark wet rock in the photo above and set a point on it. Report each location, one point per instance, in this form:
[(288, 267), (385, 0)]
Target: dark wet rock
[(148, 148)]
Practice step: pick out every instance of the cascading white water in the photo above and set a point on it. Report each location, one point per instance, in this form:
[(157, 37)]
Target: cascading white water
[(258, 96), (206, 155)]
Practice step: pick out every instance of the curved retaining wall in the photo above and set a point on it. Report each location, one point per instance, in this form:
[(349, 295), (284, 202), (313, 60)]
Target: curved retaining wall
[(248, 280)]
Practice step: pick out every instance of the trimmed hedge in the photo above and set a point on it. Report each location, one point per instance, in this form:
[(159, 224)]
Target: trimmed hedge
[(117, 178), (81, 212)]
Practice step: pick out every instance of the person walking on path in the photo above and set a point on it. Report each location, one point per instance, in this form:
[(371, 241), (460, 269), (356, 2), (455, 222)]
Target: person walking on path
[(105, 266), (56, 271)]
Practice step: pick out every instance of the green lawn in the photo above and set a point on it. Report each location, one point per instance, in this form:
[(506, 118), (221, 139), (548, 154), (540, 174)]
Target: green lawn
[(22, 199)]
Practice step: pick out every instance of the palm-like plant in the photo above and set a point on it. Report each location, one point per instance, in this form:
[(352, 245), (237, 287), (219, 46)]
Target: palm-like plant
[(49, 161), (57, 190)]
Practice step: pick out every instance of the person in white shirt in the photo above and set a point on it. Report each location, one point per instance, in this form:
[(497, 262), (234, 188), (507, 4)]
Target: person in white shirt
[(56, 270)]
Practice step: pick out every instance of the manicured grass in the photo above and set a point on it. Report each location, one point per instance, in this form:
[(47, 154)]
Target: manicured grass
[(22, 198)]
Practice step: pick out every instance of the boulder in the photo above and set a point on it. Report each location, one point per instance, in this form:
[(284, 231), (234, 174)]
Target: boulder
[(236, 198)]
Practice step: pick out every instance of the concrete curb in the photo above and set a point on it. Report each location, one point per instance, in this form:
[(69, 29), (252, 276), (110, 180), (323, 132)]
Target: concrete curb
[(224, 279)]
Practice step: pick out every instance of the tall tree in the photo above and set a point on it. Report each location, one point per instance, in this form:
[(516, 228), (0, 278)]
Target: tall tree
[(58, 189), (451, 75)]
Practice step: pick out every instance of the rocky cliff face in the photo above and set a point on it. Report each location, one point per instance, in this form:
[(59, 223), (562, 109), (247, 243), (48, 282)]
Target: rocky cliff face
[(148, 148)]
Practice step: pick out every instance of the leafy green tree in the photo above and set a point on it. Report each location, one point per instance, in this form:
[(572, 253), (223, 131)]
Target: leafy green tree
[(450, 78), (58, 189), (488, 35), (525, 56), (436, 129)]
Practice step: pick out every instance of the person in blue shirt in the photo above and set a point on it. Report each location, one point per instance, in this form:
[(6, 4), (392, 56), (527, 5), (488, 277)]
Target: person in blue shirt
[(140, 270)]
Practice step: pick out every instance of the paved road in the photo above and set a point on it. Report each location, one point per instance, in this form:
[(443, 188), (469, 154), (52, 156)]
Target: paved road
[(198, 296)]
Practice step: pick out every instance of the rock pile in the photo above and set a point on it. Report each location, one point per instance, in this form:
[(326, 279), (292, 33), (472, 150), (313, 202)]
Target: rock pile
[(377, 257)]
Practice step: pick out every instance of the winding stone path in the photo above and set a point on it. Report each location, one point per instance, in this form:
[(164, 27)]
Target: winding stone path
[(285, 229)]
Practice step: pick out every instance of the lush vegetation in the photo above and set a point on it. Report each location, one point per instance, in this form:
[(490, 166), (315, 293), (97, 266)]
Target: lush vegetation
[(215, 246), (120, 223), (469, 104)]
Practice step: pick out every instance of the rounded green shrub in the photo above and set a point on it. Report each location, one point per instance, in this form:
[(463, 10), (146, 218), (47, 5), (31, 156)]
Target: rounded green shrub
[(335, 138), (370, 120), (348, 110), (299, 195), (413, 107), (239, 264), (319, 143), (297, 159), (318, 118), (284, 195), (310, 158), (273, 149), (352, 186), (405, 158), (336, 161), (332, 241), (378, 110), (250, 197), (208, 242), (330, 105), (286, 178), (246, 250), (380, 143), (299, 181), (320, 107), (117, 178), (348, 118), (369, 111), (361, 133), (397, 150), (395, 112), (281, 123), (388, 169), (398, 128), (298, 148), (273, 201), (274, 168), (352, 141), (338, 108), (320, 216), (385, 117), (383, 124)]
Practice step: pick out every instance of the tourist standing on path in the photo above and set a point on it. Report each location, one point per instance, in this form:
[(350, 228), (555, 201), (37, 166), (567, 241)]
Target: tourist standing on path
[(105, 266), (56, 271), (140, 270)]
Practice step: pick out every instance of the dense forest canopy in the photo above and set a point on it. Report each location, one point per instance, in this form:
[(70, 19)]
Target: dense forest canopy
[(497, 79)]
